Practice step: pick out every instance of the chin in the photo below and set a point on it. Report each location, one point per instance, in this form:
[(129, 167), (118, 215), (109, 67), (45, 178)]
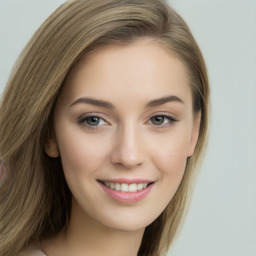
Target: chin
[(129, 222)]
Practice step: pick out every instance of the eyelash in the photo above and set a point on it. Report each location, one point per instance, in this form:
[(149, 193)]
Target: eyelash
[(168, 120), (83, 120)]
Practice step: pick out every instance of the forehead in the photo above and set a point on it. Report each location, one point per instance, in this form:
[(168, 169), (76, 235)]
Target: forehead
[(141, 69)]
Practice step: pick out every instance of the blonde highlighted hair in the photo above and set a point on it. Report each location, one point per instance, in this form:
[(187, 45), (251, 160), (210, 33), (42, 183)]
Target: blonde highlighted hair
[(34, 199)]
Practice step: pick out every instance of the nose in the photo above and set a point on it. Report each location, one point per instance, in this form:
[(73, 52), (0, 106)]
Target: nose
[(128, 151)]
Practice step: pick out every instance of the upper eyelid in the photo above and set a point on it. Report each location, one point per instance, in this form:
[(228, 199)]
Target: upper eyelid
[(106, 118), (82, 118), (170, 118), (162, 113), (170, 122), (102, 116)]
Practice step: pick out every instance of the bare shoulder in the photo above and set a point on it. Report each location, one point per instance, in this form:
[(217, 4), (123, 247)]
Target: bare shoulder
[(32, 250)]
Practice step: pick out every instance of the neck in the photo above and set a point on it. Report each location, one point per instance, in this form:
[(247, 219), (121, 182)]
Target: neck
[(84, 236)]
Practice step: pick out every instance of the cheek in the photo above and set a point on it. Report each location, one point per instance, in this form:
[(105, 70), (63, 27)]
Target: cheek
[(170, 159), (80, 152), (169, 152), (171, 163)]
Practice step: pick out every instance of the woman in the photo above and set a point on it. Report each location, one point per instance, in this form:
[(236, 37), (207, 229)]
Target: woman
[(103, 123)]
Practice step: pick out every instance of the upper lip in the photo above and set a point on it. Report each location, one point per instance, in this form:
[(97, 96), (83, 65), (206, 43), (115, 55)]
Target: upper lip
[(127, 181)]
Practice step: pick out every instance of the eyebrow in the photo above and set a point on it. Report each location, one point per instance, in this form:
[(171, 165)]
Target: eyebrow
[(106, 104), (95, 102), (164, 100)]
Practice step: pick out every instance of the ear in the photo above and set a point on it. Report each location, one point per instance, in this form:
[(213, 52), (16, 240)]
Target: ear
[(195, 133), (51, 147)]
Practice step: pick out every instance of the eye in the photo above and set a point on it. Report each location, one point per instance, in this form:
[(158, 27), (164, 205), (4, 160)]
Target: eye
[(92, 121), (162, 120)]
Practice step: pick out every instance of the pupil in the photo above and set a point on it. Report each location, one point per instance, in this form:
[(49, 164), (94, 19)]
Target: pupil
[(93, 120), (158, 119)]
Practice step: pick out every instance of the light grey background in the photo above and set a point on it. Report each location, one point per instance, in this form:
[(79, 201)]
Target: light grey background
[(222, 217)]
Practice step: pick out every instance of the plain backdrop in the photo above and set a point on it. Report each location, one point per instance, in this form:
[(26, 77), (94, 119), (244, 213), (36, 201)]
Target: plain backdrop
[(222, 217)]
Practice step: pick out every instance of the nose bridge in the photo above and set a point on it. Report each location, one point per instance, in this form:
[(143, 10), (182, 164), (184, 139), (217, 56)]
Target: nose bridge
[(129, 149)]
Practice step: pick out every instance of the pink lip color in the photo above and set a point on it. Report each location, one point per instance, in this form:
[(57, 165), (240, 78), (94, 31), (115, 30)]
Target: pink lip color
[(127, 197)]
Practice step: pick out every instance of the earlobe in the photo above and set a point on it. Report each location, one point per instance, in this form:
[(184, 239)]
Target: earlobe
[(51, 148), (195, 133)]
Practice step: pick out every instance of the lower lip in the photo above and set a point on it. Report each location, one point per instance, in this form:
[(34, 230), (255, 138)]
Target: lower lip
[(127, 197)]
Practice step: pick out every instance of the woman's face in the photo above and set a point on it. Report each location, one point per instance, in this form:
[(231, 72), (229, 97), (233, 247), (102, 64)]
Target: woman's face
[(124, 127)]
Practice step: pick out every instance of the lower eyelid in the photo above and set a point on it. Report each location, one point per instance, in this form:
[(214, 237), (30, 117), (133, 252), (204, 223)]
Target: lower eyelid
[(171, 118), (168, 121), (83, 120)]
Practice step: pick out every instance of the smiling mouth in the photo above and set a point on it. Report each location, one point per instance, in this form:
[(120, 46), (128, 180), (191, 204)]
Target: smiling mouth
[(125, 187)]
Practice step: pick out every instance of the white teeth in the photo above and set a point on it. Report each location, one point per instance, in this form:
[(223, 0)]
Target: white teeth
[(133, 188), (124, 187), (117, 187), (140, 186)]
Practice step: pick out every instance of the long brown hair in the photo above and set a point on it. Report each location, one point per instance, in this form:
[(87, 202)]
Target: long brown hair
[(35, 200)]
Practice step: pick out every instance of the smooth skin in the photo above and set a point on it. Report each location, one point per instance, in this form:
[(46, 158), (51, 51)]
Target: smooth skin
[(125, 112)]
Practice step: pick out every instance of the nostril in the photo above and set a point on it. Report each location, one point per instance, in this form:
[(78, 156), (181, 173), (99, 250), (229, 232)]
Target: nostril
[(128, 160), (127, 165)]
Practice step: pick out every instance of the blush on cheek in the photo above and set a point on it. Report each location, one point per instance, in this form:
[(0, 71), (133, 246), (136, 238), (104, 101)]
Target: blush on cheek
[(78, 161), (82, 154), (171, 162)]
